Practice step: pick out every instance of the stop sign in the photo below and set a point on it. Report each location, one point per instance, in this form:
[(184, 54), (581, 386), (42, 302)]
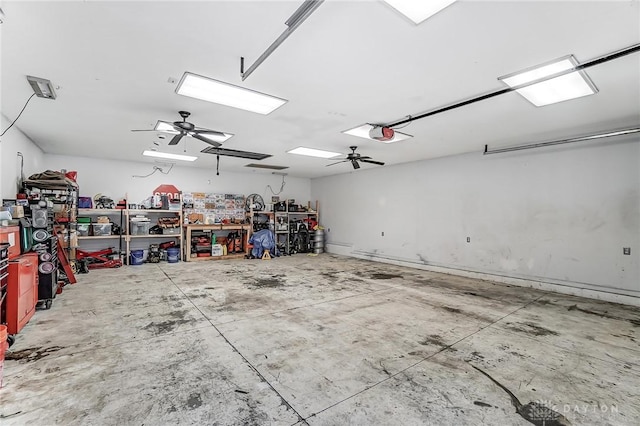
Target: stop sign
[(169, 190)]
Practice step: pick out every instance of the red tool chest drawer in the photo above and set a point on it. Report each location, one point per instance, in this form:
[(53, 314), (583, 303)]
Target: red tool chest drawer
[(22, 291), (11, 235)]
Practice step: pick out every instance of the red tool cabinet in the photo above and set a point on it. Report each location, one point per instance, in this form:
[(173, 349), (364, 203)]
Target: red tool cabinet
[(22, 291)]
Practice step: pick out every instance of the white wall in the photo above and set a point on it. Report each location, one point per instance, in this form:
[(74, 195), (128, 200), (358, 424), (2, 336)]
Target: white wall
[(114, 179), (11, 143), (554, 215)]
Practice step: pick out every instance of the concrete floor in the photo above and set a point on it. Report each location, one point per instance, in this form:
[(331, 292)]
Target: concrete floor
[(322, 340)]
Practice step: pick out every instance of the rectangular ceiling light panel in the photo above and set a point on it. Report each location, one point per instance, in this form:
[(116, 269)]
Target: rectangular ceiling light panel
[(569, 86), (419, 10), (166, 127), (310, 152), (363, 132), (215, 91), (169, 156)]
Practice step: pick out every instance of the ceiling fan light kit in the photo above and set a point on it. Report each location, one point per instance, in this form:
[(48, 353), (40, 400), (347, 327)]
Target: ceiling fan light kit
[(166, 127), (355, 158), (218, 92), (183, 128)]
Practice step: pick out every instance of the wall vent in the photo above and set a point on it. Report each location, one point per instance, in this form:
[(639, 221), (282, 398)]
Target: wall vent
[(235, 153)]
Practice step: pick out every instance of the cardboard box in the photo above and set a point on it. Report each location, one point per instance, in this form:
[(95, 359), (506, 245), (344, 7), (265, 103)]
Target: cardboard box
[(17, 211), (68, 239)]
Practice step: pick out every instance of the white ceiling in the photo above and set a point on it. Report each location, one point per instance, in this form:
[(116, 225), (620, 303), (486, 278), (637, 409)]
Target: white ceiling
[(349, 63)]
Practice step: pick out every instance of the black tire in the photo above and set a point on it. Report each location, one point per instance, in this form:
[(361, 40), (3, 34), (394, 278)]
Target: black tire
[(48, 303), (11, 340)]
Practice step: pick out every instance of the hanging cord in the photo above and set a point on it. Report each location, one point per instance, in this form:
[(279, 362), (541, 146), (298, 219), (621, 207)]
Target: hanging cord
[(155, 169), (14, 121), (217, 165), (281, 188), (21, 181)]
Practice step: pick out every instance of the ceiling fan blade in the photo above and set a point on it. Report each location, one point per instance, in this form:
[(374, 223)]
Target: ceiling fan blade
[(203, 139), (176, 139), (379, 163), (355, 164), (337, 162), (207, 132), (364, 158), (144, 130)]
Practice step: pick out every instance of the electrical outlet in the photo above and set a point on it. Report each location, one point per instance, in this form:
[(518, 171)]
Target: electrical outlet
[(468, 239), (626, 251), (383, 233)]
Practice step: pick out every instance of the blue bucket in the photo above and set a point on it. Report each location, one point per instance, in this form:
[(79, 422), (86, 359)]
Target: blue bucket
[(137, 257), (173, 254)]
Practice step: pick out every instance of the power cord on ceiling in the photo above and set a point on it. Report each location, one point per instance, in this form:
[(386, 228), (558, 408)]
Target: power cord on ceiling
[(155, 169), (14, 121), (281, 188)]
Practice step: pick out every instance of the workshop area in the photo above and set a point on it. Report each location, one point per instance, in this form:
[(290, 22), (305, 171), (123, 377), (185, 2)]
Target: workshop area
[(322, 341), (320, 212)]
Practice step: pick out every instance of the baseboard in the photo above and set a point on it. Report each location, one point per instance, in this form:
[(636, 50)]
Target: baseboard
[(574, 289)]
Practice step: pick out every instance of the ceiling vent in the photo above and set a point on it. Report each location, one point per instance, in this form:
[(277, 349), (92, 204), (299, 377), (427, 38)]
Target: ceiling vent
[(266, 166), (235, 153)]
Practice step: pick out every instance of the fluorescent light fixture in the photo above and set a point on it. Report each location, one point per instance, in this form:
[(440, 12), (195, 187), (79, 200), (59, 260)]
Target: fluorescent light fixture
[(363, 132), (418, 10), (313, 152), (42, 87), (568, 86), (215, 91), (166, 127), (169, 156)]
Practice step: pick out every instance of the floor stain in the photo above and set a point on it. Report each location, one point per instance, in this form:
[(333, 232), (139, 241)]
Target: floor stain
[(605, 314), (383, 276), (194, 401), (271, 282), (164, 326), (532, 329), (454, 310), (31, 354), (433, 340)]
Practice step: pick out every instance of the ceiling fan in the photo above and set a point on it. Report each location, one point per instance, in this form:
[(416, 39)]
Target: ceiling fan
[(354, 157), (184, 128)]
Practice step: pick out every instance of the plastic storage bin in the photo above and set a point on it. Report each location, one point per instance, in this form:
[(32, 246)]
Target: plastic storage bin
[(101, 229), (83, 229), (139, 227)]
